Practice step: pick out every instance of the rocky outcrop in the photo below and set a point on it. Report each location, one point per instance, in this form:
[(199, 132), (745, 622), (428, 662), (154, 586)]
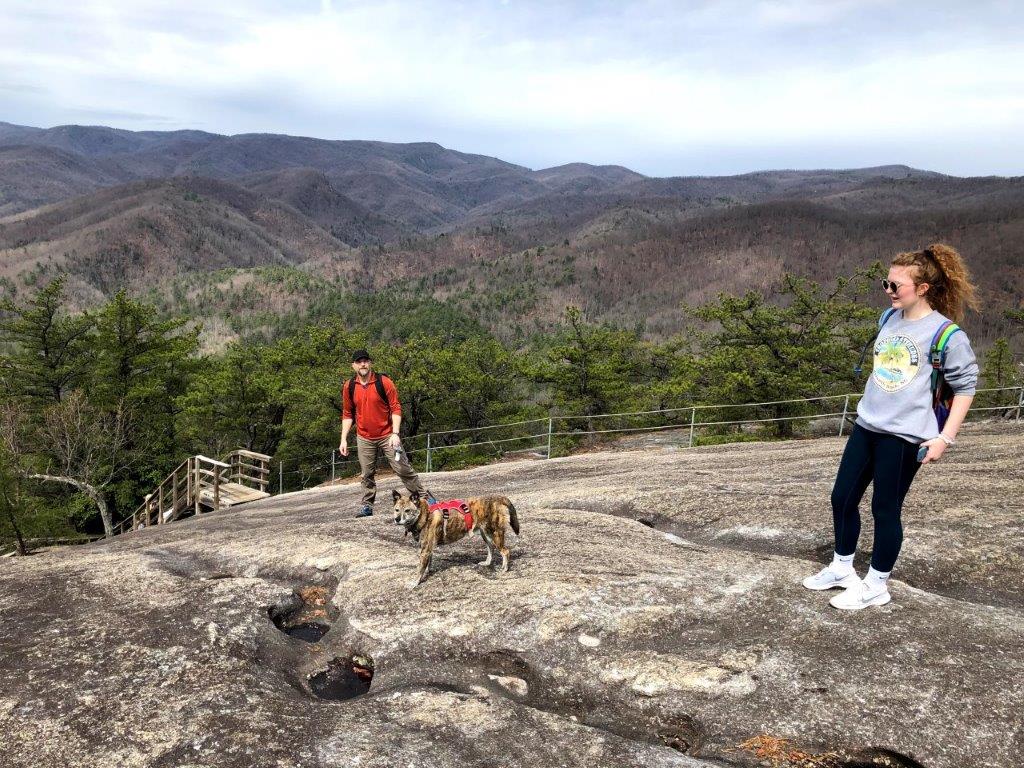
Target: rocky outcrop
[(652, 616)]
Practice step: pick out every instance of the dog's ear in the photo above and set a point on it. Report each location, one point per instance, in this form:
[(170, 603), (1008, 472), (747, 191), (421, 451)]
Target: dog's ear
[(395, 495), (415, 497)]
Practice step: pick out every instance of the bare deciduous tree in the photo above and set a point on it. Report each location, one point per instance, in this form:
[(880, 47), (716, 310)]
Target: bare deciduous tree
[(10, 442), (85, 448)]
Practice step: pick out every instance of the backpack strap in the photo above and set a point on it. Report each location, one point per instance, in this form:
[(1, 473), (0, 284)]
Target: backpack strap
[(859, 367), (937, 354), (379, 381), (381, 393), (885, 318), (940, 341), (942, 394)]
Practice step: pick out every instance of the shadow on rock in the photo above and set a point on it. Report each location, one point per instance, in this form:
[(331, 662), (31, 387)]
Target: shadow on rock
[(344, 678)]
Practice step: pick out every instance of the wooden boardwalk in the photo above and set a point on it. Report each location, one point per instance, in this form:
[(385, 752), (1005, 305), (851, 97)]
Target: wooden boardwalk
[(201, 484)]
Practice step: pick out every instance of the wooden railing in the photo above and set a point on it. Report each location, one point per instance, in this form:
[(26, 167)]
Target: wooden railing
[(250, 468), (197, 484)]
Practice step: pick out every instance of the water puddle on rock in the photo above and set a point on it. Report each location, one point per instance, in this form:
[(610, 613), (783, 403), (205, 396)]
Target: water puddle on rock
[(343, 679), (310, 632)]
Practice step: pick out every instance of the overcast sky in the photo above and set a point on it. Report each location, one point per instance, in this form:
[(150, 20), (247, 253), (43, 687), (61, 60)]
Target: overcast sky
[(666, 88)]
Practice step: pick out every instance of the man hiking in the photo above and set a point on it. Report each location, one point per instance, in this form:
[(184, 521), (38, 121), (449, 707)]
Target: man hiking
[(371, 401)]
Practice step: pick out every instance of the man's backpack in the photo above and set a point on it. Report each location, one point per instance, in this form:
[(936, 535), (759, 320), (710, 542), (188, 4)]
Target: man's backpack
[(942, 393), (379, 382)]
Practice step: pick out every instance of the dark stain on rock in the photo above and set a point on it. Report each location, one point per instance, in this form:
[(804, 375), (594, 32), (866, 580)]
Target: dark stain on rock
[(343, 679), (676, 730), (877, 758), (309, 632), (680, 732)]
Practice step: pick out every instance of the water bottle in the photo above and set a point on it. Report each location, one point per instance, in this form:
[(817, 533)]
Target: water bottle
[(398, 455)]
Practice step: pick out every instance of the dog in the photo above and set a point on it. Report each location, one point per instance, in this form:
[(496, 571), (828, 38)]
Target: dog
[(487, 515)]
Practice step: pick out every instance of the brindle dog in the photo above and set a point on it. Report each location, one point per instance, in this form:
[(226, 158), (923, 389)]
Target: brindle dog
[(490, 515)]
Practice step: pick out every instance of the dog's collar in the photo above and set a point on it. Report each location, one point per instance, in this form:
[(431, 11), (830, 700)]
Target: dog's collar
[(414, 526)]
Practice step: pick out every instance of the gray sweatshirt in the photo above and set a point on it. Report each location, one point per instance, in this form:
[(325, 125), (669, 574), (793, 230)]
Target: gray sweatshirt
[(898, 396)]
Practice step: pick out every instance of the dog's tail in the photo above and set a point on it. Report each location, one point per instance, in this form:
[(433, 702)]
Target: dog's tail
[(513, 518)]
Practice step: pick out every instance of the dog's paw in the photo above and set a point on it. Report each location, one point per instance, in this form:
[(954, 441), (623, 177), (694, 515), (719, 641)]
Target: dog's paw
[(414, 583), (485, 563)]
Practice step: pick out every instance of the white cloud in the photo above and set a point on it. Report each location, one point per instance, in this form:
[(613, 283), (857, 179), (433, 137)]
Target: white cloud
[(540, 81)]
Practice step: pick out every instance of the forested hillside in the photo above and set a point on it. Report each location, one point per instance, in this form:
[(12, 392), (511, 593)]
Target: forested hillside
[(163, 294), (511, 247)]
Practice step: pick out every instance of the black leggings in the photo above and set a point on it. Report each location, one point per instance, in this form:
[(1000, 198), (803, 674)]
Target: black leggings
[(891, 462)]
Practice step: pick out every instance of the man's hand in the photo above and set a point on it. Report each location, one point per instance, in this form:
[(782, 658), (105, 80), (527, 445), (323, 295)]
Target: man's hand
[(394, 441), (343, 448)]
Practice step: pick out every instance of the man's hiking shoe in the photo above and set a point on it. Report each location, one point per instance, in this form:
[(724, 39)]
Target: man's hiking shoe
[(860, 595), (365, 512), (826, 578)]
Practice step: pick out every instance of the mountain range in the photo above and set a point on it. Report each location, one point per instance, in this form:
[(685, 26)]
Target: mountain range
[(169, 212)]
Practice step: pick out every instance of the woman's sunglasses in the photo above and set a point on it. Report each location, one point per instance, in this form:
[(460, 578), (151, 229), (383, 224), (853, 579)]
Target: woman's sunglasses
[(891, 286)]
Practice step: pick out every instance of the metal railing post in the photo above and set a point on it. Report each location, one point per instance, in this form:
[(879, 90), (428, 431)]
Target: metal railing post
[(693, 419), (1020, 403), (428, 452), (842, 422), (551, 422), (333, 453), (280, 477)]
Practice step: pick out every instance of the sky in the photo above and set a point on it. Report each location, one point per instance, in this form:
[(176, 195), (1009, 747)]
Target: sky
[(666, 88)]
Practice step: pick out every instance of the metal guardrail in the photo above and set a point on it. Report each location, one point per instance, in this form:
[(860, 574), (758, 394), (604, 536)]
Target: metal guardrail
[(253, 469), (559, 426), (1016, 406)]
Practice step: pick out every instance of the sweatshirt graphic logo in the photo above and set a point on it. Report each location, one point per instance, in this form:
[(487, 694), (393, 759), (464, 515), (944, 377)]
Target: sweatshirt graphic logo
[(897, 361)]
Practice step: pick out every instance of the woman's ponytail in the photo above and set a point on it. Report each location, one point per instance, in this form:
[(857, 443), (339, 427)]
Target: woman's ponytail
[(950, 290)]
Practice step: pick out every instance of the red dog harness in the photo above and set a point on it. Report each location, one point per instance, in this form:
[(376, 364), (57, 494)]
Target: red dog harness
[(454, 505)]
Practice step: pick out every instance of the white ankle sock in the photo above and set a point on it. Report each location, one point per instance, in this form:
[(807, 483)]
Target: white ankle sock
[(877, 580), (841, 564)]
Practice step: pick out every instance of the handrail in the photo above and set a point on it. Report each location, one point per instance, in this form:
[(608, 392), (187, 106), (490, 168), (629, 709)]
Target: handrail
[(196, 483), (208, 460), (251, 454)]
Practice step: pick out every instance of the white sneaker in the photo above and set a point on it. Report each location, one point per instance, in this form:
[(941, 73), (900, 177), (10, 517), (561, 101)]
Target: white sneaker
[(826, 578), (860, 595)]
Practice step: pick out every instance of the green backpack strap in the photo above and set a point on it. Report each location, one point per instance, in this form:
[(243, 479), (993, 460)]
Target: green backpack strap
[(939, 343), (942, 393)]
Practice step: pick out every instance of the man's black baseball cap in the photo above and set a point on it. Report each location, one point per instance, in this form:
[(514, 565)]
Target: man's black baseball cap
[(360, 354)]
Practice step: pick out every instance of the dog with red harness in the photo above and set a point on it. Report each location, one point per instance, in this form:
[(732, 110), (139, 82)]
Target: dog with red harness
[(435, 523)]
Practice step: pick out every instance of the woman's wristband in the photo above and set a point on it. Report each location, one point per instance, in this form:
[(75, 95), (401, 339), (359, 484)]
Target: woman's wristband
[(947, 440)]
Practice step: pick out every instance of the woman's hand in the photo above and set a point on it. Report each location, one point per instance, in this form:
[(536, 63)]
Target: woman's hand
[(936, 447)]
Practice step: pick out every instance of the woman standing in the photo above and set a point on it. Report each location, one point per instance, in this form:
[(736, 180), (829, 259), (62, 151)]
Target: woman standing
[(896, 419)]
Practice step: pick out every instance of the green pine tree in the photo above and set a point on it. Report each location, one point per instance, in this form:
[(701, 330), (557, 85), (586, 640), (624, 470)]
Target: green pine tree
[(800, 342)]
